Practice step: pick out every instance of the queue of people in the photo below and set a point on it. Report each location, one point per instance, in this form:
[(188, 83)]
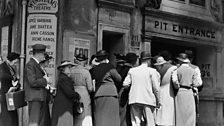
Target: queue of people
[(143, 91)]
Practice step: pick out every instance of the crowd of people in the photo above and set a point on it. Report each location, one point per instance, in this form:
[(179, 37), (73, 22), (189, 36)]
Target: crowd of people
[(138, 91)]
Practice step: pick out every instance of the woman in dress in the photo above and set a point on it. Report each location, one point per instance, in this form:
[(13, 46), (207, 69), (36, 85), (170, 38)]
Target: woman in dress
[(83, 85), (166, 114), (62, 110), (8, 81), (184, 80), (106, 97)]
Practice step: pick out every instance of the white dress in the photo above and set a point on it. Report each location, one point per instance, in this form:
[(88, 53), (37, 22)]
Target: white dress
[(166, 114)]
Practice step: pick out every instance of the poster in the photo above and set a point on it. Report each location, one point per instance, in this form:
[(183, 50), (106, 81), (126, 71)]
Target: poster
[(42, 29), (4, 42), (77, 46), (42, 6)]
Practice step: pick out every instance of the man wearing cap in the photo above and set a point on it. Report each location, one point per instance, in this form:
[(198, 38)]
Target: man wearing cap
[(144, 94), (83, 85), (183, 78), (165, 115), (35, 82)]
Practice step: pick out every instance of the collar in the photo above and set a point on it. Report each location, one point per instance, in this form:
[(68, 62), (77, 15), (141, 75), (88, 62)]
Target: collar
[(144, 64), (128, 64), (36, 60), (184, 64)]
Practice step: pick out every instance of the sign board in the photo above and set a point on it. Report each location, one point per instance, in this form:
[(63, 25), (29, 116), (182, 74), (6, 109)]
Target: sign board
[(42, 6), (77, 46), (114, 17), (4, 42), (42, 29), (183, 29)]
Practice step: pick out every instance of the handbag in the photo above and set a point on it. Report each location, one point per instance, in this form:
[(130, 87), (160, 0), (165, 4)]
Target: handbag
[(78, 108), (15, 100)]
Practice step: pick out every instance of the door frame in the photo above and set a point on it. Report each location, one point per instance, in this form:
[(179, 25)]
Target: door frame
[(111, 28)]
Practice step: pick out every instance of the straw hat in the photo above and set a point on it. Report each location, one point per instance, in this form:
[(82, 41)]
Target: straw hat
[(65, 63)]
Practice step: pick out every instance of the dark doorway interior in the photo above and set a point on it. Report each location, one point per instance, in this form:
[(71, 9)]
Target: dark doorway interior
[(173, 46), (113, 43)]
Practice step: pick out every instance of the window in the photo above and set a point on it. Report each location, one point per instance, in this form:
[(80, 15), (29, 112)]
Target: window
[(198, 2)]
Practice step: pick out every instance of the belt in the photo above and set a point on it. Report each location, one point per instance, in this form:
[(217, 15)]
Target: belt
[(186, 87)]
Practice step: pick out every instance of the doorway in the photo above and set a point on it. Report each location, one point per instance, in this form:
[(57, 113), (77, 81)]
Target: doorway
[(173, 46), (113, 43)]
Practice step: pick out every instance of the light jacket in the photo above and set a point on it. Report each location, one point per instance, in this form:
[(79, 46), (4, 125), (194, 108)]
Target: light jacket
[(145, 83)]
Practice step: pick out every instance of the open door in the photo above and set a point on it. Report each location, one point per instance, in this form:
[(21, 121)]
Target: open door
[(113, 42)]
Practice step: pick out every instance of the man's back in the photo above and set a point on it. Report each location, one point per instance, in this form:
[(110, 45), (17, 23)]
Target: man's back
[(34, 83), (144, 83)]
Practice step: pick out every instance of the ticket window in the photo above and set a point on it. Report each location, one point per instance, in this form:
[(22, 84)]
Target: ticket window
[(113, 42)]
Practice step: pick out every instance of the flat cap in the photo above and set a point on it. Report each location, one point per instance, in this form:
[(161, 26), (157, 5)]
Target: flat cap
[(39, 48)]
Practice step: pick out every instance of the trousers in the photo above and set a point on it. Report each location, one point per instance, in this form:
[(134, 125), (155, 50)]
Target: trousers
[(142, 115)]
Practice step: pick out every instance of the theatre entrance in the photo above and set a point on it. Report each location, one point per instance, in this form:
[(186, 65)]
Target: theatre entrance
[(113, 43), (173, 46)]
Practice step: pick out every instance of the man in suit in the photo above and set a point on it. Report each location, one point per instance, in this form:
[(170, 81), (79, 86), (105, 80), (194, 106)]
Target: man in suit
[(144, 94), (35, 83)]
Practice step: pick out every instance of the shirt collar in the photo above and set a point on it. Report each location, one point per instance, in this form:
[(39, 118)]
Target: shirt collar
[(184, 64), (36, 60)]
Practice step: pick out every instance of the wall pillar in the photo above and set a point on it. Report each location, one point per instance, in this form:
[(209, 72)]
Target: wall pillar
[(219, 87)]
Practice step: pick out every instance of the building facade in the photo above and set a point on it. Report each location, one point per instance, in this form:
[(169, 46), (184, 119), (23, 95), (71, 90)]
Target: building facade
[(69, 27)]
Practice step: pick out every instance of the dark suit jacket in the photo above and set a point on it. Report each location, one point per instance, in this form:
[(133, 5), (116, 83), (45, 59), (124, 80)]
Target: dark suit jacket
[(34, 83)]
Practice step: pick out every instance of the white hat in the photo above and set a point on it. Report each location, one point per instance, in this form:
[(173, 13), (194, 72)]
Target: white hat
[(159, 61), (94, 62), (65, 63), (183, 58)]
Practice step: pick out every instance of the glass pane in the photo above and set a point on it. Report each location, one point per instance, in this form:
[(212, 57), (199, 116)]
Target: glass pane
[(198, 2)]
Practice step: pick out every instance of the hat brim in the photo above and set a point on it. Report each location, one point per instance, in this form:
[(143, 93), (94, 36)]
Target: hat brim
[(183, 60), (80, 59), (39, 50), (94, 62), (146, 58), (157, 64), (64, 65), (101, 55), (120, 61)]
